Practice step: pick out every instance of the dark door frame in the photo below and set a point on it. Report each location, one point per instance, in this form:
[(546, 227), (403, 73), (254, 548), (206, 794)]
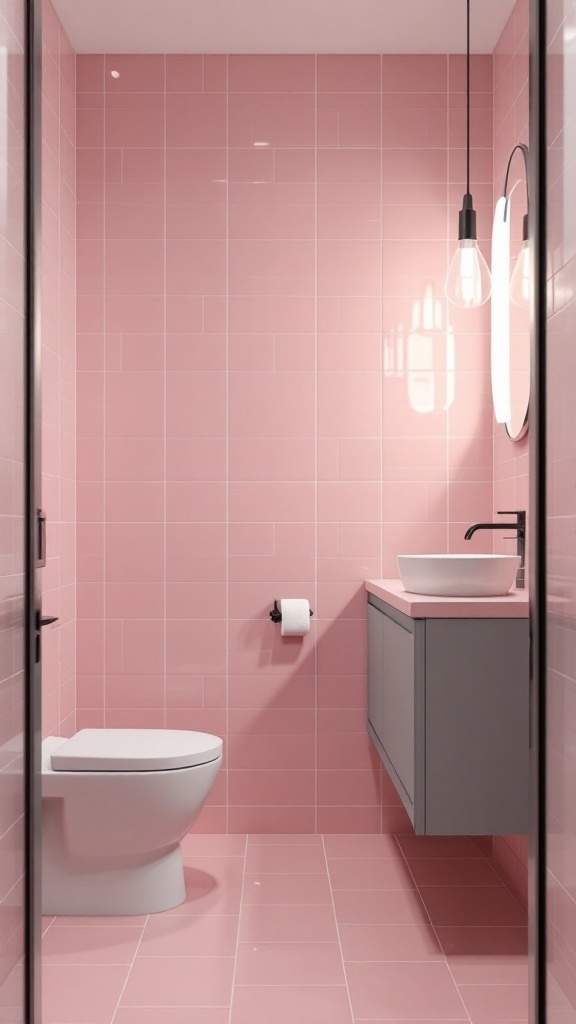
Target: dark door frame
[(33, 734), (537, 857), (538, 190)]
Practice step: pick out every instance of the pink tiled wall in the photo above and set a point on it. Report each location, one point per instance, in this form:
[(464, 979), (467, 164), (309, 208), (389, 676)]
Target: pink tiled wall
[(237, 218), (58, 373), (437, 414), (510, 853), (229, 421), (12, 505)]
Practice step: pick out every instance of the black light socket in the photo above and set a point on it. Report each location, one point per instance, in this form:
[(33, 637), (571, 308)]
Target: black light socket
[(467, 219)]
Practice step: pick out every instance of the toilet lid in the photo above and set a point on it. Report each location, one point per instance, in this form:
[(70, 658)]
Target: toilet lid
[(135, 750)]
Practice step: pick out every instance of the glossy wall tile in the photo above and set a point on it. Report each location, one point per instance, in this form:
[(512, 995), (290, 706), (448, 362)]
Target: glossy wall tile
[(58, 578), (242, 246)]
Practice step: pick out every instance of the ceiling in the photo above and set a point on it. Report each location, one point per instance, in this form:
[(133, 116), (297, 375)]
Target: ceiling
[(281, 26)]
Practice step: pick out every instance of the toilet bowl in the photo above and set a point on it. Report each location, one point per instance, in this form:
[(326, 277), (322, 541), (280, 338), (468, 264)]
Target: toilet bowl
[(115, 805)]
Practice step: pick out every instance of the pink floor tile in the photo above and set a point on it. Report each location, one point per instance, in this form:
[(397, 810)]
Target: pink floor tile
[(285, 1004), (81, 995), (225, 872), (438, 846), (379, 907), (495, 1002), (389, 942), (454, 871), (180, 981), (370, 873), (472, 905), (173, 1015), (486, 956), (289, 963), (190, 935), (285, 860), (361, 846), (278, 889), (289, 923), (209, 900), (283, 839), (90, 945), (94, 922), (213, 846), (404, 990)]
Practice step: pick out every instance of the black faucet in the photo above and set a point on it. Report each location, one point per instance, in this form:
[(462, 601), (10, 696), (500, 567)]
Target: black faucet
[(519, 526)]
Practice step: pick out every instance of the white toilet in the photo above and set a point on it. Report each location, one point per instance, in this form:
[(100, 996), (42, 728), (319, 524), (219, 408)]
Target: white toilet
[(115, 805)]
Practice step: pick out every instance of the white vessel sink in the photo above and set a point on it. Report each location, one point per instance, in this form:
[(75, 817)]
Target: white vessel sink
[(458, 575)]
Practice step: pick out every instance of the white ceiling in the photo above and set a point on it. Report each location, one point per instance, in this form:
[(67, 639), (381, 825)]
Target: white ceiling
[(281, 26)]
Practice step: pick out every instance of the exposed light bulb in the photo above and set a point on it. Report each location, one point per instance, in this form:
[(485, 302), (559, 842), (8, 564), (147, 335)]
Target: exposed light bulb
[(520, 282), (468, 283)]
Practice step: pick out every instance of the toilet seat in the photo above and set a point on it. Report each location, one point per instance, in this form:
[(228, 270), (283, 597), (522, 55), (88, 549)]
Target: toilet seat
[(135, 750)]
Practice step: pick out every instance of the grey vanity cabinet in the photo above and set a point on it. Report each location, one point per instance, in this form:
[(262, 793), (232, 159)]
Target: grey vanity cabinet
[(448, 707)]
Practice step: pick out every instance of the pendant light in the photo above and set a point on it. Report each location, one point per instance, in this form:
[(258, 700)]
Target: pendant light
[(468, 282)]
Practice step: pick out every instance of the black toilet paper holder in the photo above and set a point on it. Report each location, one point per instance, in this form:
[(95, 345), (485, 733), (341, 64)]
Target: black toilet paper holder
[(276, 614)]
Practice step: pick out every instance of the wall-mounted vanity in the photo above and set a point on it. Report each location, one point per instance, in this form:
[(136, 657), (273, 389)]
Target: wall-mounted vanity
[(448, 707)]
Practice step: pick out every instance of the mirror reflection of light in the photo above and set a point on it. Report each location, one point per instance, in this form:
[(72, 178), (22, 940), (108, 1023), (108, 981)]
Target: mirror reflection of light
[(500, 312), (424, 354), (450, 367), (427, 312), (520, 283), (420, 362), (394, 353)]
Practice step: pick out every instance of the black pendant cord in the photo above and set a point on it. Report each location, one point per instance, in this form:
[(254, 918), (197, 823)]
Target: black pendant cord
[(468, 96), (467, 218)]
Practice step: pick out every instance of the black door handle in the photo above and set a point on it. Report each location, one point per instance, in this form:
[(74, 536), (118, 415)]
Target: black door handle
[(42, 620)]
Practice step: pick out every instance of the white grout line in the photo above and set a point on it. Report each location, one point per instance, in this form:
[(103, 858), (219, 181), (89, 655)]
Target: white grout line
[(46, 928), (432, 926), (238, 934), (338, 932), (130, 969)]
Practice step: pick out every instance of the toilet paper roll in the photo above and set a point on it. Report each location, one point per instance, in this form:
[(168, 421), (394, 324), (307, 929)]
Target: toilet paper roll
[(295, 616)]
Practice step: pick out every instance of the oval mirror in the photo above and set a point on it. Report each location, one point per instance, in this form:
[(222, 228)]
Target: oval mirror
[(510, 300)]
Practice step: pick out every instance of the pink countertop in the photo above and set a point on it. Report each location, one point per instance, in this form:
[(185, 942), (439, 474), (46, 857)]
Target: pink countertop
[(418, 606)]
